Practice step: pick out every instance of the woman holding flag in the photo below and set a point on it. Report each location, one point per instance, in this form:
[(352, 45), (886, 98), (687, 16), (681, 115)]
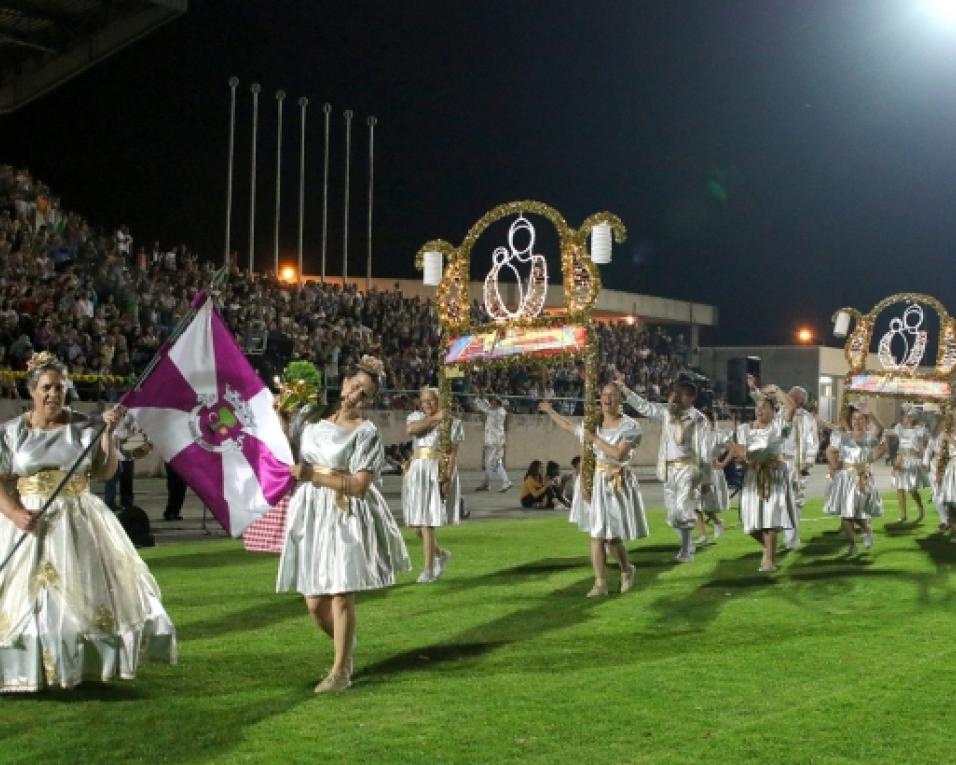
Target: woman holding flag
[(340, 537), (76, 600)]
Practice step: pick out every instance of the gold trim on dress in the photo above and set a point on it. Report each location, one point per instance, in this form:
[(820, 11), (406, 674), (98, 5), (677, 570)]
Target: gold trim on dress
[(45, 576), (104, 620), (427, 453), (49, 667), (44, 483), (614, 473), (341, 501)]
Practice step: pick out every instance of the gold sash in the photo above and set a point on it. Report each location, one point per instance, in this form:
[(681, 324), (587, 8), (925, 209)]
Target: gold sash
[(863, 473), (614, 473), (44, 483), (425, 453), (763, 475), (341, 501)]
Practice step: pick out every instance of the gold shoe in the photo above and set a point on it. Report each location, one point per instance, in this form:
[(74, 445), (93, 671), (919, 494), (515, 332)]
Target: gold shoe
[(597, 591), (627, 579), (334, 683)]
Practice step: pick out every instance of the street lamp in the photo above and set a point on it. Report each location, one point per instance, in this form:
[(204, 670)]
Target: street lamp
[(804, 335)]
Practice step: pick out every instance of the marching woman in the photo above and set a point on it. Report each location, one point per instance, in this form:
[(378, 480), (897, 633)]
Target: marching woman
[(615, 512), (341, 537), (909, 475), (717, 500), (853, 494), (944, 489), (431, 490), (766, 500), (76, 600)]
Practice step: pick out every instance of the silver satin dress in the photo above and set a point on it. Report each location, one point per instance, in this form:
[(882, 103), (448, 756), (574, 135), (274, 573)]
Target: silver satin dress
[(944, 491), (909, 473), (76, 600), (422, 503), (616, 509), (717, 500), (776, 510), (853, 492), (336, 544)]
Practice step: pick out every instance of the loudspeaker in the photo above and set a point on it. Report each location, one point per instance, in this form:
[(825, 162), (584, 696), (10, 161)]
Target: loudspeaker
[(738, 394)]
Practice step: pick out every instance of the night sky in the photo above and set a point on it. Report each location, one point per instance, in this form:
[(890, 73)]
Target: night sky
[(777, 158)]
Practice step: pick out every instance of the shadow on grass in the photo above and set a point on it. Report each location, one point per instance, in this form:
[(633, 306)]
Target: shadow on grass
[(695, 611), (208, 559), (901, 528), (561, 608), (268, 611), (117, 691)]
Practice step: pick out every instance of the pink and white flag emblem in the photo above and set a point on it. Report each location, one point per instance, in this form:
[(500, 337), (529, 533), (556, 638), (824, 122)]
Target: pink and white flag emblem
[(211, 417)]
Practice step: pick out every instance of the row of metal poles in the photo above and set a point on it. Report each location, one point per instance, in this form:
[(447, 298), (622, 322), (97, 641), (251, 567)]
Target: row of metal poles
[(303, 102)]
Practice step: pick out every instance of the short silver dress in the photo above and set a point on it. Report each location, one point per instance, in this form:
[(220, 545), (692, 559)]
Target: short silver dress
[(853, 492), (76, 600), (336, 544), (909, 473), (422, 503), (766, 500), (616, 509)]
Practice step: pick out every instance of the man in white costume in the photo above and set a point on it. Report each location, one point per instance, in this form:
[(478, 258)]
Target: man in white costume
[(494, 448), (683, 457)]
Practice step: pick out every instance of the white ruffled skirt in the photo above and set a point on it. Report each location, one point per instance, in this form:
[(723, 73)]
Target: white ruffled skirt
[(777, 511), (422, 503), (328, 551), (612, 513), (910, 474), (717, 500), (848, 499), (76, 600)]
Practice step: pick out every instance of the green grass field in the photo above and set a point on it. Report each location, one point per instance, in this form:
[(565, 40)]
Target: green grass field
[(832, 660)]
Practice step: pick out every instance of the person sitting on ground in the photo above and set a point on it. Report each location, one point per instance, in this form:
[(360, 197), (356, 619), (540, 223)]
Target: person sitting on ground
[(536, 491)]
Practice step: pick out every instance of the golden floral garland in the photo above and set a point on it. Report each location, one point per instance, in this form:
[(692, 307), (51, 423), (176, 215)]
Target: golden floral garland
[(581, 281)]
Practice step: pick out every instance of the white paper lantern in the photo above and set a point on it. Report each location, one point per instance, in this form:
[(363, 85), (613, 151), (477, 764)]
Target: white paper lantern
[(842, 324), (601, 243), (431, 271)]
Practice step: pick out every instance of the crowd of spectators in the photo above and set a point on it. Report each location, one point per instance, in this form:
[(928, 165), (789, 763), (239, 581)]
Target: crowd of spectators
[(104, 303)]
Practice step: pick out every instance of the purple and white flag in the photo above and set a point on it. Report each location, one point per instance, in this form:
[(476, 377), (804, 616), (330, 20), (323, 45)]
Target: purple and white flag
[(211, 418)]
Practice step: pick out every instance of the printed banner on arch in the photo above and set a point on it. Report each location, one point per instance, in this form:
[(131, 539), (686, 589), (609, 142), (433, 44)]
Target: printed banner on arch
[(211, 418)]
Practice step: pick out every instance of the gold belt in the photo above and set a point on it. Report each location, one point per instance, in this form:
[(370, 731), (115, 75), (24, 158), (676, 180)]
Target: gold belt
[(341, 501), (44, 483), (614, 473), (763, 475), (426, 453), (863, 473)]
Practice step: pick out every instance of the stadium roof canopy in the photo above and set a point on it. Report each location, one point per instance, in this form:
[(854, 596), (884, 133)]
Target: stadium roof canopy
[(43, 43)]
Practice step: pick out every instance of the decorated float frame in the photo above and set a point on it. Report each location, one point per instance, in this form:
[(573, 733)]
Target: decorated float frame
[(581, 282)]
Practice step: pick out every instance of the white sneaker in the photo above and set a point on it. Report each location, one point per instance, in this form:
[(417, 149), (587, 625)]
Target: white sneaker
[(868, 539), (684, 557), (701, 540), (718, 530), (505, 488), (441, 562), (426, 577)]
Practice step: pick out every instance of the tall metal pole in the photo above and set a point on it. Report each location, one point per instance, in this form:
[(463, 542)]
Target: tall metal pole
[(345, 211), (371, 185), (303, 102), (280, 97), (233, 84), (327, 111), (256, 88)]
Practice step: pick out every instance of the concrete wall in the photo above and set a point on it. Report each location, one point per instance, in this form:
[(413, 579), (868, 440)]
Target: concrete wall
[(783, 365), (530, 437)]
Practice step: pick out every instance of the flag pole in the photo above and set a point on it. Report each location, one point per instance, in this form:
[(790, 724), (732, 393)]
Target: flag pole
[(144, 375)]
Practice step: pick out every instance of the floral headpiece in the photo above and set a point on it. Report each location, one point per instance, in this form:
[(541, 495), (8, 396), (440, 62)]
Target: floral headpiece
[(43, 359), (374, 367)]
